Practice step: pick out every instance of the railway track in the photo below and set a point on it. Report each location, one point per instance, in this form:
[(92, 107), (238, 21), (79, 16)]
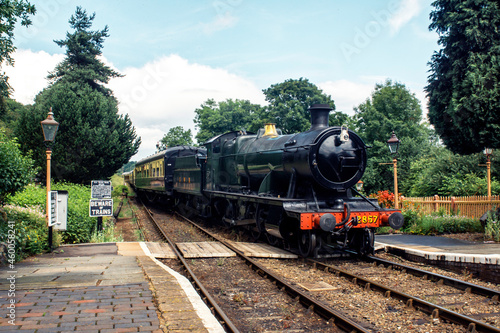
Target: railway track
[(423, 312)]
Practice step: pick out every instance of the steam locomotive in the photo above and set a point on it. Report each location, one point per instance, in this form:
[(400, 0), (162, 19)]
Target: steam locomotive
[(296, 190)]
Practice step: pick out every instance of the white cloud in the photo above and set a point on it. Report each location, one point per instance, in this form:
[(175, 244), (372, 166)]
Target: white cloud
[(164, 94), (348, 94), (158, 96), (407, 10), (28, 76)]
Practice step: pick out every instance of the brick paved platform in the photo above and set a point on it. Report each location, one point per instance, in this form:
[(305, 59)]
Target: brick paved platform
[(99, 288)]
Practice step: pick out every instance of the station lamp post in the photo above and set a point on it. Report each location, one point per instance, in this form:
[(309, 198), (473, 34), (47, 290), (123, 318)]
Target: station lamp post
[(393, 144), (49, 128), (488, 152)]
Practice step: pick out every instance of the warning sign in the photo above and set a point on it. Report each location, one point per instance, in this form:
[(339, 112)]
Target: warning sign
[(101, 189), (101, 207)]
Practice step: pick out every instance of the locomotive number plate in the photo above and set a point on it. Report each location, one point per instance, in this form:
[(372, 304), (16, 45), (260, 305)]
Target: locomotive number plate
[(364, 219)]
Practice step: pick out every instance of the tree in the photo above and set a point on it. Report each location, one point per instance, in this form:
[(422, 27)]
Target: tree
[(289, 102), (214, 118), (463, 87), (83, 47), (16, 170), (392, 107), (10, 11), (177, 136), (93, 140)]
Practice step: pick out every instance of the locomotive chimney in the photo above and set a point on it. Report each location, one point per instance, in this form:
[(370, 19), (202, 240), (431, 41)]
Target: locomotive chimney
[(319, 116)]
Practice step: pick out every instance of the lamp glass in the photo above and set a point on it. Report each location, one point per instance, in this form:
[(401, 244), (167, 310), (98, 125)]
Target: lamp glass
[(488, 151), (393, 144)]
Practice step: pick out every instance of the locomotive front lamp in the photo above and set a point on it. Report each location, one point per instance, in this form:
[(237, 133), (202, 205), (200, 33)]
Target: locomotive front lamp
[(49, 128)]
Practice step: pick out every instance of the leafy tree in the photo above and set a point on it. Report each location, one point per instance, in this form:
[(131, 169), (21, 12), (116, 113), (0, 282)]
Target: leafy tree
[(93, 141), (10, 11), (177, 136), (16, 169), (289, 102), (12, 113), (392, 107), (445, 173), (463, 86), (214, 118)]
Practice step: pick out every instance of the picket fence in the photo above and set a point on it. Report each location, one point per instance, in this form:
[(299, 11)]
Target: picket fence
[(473, 206)]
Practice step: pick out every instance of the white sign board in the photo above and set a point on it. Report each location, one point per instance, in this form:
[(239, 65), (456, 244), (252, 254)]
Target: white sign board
[(101, 189), (101, 207), (52, 208)]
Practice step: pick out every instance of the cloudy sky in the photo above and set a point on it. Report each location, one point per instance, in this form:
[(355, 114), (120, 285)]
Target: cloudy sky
[(177, 54)]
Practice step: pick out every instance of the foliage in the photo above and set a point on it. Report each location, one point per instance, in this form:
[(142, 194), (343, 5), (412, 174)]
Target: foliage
[(435, 225), (16, 170), (80, 225), (392, 107), (176, 136), (465, 74), (92, 141), (29, 224), (126, 168), (492, 230), (214, 118), (445, 173), (385, 198), (11, 11), (289, 102), (12, 112), (108, 233), (83, 49)]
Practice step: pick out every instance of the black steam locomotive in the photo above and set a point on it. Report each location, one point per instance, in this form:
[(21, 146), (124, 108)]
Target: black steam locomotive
[(293, 189)]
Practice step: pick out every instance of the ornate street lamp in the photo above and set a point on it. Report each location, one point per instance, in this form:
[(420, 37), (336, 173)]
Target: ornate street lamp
[(49, 128), (393, 144), (488, 152)]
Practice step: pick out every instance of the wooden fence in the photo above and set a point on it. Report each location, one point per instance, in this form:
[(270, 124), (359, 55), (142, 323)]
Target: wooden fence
[(474, 206)]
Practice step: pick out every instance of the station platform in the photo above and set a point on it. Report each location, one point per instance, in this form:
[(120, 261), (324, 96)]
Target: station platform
[(110, 287), (479, 258)]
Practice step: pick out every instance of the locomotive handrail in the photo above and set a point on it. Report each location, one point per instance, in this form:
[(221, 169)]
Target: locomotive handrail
[(377, 208)]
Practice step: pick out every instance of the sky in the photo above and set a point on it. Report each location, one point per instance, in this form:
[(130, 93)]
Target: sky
[(176, 55)]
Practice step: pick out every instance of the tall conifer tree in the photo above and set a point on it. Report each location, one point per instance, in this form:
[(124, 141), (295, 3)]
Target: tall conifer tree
[(93, 140)]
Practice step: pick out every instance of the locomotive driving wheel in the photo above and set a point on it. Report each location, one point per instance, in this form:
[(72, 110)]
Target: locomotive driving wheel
[(307, 242)]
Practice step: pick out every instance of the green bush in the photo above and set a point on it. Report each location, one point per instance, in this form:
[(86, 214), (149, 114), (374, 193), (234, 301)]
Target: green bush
[(80, 225), (31, 233), (439, 224)]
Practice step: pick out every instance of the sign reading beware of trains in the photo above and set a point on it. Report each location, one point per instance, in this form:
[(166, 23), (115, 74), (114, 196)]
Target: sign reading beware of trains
[(101, 207)]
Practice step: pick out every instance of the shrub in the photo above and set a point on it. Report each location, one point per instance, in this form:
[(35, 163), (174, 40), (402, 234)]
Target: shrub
[(31, 234), (80, 225)]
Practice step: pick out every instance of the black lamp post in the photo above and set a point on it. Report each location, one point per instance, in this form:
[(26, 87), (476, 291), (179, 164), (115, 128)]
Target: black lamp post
[(393, 144), (49, 128)]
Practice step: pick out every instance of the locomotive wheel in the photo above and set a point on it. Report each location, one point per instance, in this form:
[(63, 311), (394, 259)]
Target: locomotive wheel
[(368, 242), (307, 242)]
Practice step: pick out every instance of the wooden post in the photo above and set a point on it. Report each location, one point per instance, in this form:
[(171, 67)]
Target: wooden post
[(48, 152), (436, 203)]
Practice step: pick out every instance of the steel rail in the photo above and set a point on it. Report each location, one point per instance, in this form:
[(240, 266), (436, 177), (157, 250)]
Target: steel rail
[(449, 281), (434, 310), (223, 318), (339, 319)]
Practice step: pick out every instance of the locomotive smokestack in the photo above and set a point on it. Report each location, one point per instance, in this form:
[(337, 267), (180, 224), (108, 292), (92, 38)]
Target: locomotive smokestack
[(319, 116)]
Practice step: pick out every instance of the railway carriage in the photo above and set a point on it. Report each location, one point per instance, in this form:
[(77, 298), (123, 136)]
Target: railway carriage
[(294, 189)]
